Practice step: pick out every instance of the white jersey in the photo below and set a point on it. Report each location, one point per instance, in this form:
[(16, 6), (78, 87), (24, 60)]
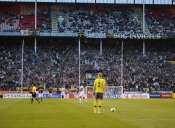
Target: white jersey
[(63, 91), (81, 91)]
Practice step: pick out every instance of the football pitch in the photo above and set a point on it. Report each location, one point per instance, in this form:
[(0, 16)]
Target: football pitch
[(56, 113)]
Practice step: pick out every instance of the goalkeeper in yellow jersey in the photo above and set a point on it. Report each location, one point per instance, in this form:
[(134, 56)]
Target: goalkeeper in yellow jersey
[(98, 90)]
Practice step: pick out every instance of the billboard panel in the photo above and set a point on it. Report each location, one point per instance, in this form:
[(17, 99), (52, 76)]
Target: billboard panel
[(173, 95), (154, 95), (166, 95)]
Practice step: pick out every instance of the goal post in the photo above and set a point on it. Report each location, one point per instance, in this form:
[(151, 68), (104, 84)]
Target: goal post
[(111, 91)]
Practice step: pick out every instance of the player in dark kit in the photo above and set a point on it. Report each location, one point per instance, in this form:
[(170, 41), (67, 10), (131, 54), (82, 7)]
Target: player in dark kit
[(40, 90), (50, 92)]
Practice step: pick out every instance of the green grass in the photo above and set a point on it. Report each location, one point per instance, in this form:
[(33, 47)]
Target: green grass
[(56, 113)]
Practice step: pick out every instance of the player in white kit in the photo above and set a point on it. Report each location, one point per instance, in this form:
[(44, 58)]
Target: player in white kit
[(82, 94), (63, 92)]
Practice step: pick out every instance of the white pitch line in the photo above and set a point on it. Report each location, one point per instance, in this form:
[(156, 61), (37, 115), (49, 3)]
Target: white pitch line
[(40, 120), (148, 119), (82, 120)]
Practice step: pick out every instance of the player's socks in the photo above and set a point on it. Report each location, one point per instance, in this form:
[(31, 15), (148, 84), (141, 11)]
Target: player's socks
[(38, 100), (99, 107), (31, 100), (95, 106)]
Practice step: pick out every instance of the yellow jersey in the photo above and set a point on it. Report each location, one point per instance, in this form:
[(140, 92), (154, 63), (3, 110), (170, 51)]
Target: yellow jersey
[(99, 84), (33, 89)]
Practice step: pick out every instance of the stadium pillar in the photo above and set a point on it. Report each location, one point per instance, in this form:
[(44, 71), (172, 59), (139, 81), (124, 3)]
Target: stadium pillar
[(121, 65), (143, 16), (143, 27), (143, 47), (100, 46), (79, 59), (35, 14), (35, 23), (35, 44), (22, 67)]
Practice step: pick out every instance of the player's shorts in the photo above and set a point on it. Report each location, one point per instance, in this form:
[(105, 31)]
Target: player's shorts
[(50, 94), (99, 96), (34, 95), (62, 93), (40, 95), (81, 94)]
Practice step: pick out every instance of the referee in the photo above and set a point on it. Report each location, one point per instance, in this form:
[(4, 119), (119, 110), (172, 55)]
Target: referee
[(34, 94)]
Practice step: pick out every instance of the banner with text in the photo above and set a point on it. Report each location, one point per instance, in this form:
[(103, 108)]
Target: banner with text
[(29, 95), (166, 95), (17, 95), (112, 96), (122, 35), (155, 95), (125, 35), (135, 96)]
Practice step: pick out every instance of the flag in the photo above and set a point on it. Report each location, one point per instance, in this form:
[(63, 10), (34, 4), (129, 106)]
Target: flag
[(24, 32), (96, 66), (91, 12)]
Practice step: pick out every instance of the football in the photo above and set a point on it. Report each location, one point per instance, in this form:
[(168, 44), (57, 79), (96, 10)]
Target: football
[(112, 109)]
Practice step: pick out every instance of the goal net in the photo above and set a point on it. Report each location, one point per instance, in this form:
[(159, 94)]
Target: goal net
[(111, 91)]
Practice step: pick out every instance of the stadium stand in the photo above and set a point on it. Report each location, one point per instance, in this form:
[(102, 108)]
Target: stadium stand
[(97, 18), (56, 63), (20, 16), (160, 19), (70, 18)]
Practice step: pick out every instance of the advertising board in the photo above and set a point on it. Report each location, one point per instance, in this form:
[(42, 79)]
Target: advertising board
[(16, 95), (29, 95), (154, 95), (166, 95), (173, 95), (136, 96), (113, 96)]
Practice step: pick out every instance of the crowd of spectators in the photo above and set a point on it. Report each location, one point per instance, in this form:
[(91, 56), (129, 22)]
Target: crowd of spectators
[(98, 18), (87, 18), (19, 16), (160, 19), (71, 18), (55, 62)]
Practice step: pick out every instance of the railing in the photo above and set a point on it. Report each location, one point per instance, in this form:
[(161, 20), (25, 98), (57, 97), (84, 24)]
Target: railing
[(10, 33)]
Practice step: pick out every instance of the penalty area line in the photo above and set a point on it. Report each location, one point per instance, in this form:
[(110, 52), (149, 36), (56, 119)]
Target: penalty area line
[(148, 119)]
